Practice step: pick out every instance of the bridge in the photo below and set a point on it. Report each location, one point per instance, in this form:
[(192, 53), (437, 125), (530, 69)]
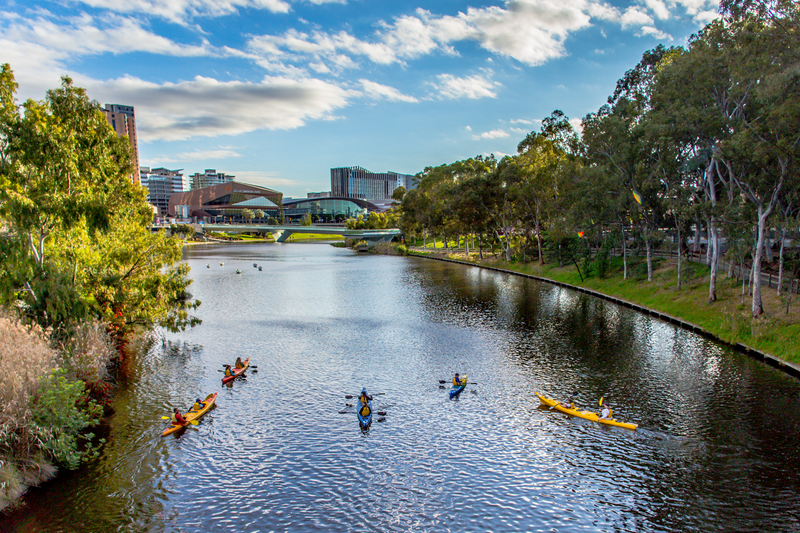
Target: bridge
[(281, 233)]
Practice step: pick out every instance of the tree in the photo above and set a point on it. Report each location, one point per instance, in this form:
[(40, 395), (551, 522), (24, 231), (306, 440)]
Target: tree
[(248, 215), (80, 241)]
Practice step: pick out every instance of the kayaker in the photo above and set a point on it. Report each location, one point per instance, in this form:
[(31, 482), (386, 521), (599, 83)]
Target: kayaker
[(570, 402), (364, 398), (457, 381), (177, 417), (198, 404), (239, 363), (605, 413), (228, 371)]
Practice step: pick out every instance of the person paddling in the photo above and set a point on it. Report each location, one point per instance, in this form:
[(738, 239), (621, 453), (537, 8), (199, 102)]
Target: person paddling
[(177, 417), (457, 382), (569, 403), (605, 412), (228, 371), (364, 398), (198, 404), (239, 363)]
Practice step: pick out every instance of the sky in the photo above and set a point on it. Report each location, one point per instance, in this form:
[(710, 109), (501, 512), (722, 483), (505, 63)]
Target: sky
[(278, 92)]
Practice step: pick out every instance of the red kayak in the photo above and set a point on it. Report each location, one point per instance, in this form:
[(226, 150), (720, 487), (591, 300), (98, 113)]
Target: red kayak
[(237, 371)]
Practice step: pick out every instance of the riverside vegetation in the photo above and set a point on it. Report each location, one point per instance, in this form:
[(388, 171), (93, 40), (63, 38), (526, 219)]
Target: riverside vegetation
[(81, 275), (696, 151)]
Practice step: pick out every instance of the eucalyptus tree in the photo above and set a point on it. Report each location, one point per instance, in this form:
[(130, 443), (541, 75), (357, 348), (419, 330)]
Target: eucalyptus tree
[(78, 231), (545, 159)]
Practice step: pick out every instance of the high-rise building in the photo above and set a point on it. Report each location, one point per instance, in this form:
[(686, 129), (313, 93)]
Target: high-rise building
[(123, 122), (208, 178), (161, 183), (358, 182)]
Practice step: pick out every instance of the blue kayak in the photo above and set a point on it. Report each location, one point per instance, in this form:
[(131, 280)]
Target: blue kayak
[(457, 389), (364, 414)]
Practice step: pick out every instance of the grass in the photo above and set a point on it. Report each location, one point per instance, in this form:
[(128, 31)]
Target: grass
[(300, 237), (728, 318)]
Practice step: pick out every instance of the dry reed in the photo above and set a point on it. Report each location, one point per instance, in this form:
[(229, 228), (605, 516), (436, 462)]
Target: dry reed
[(25, 359), (86, 355)]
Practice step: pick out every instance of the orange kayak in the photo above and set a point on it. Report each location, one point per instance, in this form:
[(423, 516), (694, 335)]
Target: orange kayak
[(192, 415), (237, 371)]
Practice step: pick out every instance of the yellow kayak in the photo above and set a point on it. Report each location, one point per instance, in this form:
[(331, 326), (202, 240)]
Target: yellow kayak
[(192, 415), (588, 415)]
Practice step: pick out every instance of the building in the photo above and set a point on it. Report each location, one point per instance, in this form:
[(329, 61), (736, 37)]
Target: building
[(209, 178), (318, 194), (329, 209), (358, 182), (123, 122), (225, 202), (161, 184)]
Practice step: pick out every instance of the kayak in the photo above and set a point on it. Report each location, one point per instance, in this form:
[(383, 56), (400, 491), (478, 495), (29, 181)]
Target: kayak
[(192, 415), (588, 415), (237, 371), (456, 390), (364, 414)]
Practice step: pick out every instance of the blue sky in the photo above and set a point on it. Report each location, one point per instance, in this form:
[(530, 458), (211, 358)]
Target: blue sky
[(277, 92)]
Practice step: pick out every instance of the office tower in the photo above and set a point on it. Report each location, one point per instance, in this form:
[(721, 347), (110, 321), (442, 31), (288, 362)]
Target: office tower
[(123, 122), (208, 178), (358, 182)]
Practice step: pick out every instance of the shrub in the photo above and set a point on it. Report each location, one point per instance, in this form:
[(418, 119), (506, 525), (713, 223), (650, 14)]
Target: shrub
[(61, 410)]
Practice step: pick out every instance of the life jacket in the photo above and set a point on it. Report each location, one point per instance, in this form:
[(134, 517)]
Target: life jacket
[(228, 372), (198, 406), (364, 399), (239, 363), (457, 382), (365, 410)]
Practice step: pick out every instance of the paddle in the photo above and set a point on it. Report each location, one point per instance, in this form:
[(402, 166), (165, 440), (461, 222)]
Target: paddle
[(445, 381), (225, 364), (350, 396), (192, 422)]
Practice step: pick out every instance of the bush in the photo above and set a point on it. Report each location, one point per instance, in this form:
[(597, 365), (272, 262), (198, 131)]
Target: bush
[(61, 410)]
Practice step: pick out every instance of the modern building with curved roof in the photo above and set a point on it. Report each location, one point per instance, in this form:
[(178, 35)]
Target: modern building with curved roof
[(333, 207), (225, 200)]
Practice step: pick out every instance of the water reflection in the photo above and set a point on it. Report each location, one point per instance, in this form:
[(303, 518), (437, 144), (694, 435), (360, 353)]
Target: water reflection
[(716, 448)]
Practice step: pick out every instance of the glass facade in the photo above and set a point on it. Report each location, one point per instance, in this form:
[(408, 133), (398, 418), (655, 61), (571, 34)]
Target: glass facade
[(324, 206)]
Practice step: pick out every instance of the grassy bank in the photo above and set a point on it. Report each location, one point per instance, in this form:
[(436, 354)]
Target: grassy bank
[(728, 318)]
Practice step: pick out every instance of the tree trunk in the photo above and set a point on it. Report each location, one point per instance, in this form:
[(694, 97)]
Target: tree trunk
[(539, 242), (713, 247), (758, 308), (649, 251), (624, 256), (696, 243), (480, 246), (780, 261), (679, 255), (709, 238)]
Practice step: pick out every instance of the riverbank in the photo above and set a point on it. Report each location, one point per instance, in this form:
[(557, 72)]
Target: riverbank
[(771, 337)]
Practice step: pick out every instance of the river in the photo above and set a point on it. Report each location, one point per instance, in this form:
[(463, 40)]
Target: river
[(717, 448)]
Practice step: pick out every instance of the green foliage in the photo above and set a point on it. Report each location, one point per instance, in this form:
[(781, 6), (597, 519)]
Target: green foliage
[(61, 411), (248, 214), (306, 220), (272, 221), (79, 241)]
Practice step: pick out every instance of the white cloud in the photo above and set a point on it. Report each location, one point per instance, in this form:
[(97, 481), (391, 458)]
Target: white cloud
[(472, 87), (530, 31), (577, 125), (521, 121), (635, 17), (206, 107), (376, 91), (468, 128), (268, 179), (200, 155), (659, 8), (658, 34), (494, 134), (180, 11), (705, 17)]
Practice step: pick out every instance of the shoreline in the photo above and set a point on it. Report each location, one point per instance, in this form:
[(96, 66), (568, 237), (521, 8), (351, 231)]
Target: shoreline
[(787, 367)]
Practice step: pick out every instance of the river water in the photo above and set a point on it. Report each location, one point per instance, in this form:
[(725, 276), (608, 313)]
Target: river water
[(717, 449)]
